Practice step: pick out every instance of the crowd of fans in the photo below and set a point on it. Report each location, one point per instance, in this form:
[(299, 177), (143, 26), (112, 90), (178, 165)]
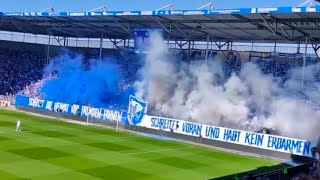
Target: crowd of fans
[(130, 63), (33, 89), (22, 72), (19, 69)]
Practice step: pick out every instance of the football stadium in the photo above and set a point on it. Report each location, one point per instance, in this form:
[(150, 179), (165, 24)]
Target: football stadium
[(162, 94)]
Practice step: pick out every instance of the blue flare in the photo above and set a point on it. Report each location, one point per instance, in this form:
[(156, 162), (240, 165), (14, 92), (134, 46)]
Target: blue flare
[(94, 83)]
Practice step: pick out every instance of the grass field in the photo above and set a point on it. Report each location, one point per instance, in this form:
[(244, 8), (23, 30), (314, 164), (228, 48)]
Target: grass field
[(49, 149)]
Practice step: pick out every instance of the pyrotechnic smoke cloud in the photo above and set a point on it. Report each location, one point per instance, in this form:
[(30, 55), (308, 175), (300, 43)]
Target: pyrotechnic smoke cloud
[(196, 91), (95, 83), (248, 100)]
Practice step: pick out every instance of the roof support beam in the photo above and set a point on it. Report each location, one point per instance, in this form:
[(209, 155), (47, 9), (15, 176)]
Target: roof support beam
[(210, 6), (27, 26), (114, 20), (300, 37), (268, 24), (304, 62), (306, 2), (220, 48), (75, 24), (103, 8), (288, 36), (54, 37), (179, 29), (98, 29), (256, 24), (179, 44), (293, 28), (202, 31), (288, 25), (206, 33), (232, 27), (164, 27), (221, 45), (270, 28), (60, 30), (121, 26), (207, 48), (182, 44), (18, 27), (115, 42), (169, 6), (308, 19), (185, 36), (50, 10), (315, 48)]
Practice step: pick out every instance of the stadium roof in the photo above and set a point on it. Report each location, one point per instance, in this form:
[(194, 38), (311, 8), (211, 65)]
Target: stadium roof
[(283, 24)]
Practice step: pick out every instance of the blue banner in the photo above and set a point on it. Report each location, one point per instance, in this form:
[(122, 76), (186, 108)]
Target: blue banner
[(101, 114)]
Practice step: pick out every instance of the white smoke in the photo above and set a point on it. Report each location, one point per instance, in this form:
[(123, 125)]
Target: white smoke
[(199, 92)]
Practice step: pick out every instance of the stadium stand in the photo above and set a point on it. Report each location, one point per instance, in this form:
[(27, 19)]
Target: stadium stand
[(130, 63), (19, 69), (22, 64)]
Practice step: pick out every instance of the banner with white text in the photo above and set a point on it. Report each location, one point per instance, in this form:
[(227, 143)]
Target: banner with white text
[(100, 114), (258, 140)]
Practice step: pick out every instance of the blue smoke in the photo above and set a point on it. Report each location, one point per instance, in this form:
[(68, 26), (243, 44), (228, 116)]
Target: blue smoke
[(87, 82)]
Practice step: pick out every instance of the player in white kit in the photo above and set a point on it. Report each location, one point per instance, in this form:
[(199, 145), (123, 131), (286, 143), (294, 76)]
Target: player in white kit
[(18, 128)]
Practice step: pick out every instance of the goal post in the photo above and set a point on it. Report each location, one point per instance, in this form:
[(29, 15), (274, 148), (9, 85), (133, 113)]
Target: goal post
[(109, 123)]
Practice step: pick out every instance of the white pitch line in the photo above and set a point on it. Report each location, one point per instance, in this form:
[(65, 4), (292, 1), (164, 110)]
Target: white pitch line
[(160, 150)]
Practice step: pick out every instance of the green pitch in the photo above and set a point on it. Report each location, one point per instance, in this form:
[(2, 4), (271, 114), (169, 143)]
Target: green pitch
[(49, 149)]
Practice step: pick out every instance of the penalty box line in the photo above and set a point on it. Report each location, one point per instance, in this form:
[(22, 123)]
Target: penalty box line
[(160, 150)]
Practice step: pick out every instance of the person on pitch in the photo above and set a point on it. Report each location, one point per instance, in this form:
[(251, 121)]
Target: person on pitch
[(18, 128)]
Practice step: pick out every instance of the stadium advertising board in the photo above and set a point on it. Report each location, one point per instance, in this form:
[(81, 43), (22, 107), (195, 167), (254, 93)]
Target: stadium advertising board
[(70, 109), (258, 140), (173, 12)]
